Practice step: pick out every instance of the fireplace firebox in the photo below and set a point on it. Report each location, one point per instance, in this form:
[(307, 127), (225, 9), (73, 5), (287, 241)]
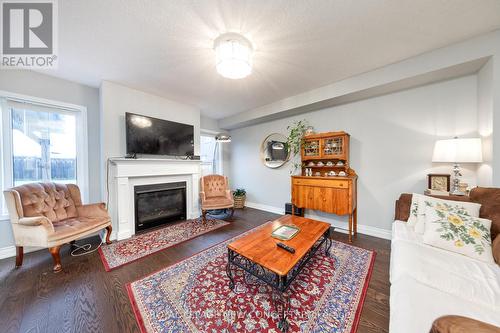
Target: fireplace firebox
[(157, 204)]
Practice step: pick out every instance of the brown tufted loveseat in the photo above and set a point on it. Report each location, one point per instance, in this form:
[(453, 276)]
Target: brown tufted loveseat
[(50, 215), (215, 194)]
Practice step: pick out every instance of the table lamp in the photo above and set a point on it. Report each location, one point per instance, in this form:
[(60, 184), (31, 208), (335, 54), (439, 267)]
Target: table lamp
[(458, 150)]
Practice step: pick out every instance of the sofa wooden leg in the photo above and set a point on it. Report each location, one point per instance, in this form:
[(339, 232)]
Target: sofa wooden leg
[(232, 213), (57, 258), (19, 256), (204, 216), (108, 234)]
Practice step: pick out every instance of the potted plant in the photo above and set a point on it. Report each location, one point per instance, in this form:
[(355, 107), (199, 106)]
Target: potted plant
[(295, 137), (239, 196)]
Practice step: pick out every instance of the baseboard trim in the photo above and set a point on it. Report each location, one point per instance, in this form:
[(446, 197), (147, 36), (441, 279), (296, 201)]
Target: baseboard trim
[(10, 251), (341, 226), (266, 208), (7, 252)]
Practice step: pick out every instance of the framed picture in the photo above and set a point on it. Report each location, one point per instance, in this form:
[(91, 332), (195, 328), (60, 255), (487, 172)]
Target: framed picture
[(285, 232), (439, 182)]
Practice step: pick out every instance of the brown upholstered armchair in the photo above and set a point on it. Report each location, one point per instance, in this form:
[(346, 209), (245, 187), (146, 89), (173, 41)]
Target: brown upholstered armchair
[(50, 215), (215, 194)]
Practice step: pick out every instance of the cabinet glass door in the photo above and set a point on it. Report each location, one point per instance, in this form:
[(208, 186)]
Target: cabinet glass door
[(333, 147), (311, 148)]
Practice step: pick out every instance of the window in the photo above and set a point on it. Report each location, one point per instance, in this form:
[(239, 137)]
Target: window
[(211, 155), (42, 142), (43, 146)]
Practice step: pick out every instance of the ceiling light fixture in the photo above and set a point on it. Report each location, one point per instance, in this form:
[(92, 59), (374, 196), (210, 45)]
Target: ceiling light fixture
[(233, 55)]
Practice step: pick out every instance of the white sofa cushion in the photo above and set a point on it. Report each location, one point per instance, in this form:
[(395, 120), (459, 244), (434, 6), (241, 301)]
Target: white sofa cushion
[(446, 271), (414, 306)]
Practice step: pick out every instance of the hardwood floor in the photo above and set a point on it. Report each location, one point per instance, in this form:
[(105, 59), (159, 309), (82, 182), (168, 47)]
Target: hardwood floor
[(86, 298)]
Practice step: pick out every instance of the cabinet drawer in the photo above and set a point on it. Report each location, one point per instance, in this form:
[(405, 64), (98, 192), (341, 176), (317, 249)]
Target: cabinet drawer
[(338, 183)]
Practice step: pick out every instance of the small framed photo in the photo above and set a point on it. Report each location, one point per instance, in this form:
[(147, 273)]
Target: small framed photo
[(285, 232), (439, 182)]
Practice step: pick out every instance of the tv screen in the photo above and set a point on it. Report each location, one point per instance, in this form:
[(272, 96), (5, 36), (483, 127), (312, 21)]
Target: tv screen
[(152, 136)]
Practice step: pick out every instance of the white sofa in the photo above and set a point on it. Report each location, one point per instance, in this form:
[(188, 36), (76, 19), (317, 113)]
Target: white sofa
[(427, 283)]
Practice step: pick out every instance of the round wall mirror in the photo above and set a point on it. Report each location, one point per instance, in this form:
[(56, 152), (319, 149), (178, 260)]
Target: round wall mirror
[(274, 151)]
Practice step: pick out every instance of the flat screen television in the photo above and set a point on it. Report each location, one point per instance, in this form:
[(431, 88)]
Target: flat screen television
[(152, 136)]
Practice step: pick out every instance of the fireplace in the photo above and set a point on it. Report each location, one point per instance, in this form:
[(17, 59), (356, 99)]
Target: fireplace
[(157, 204)]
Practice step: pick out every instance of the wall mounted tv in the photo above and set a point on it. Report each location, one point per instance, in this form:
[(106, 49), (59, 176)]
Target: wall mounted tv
[(152, 136)]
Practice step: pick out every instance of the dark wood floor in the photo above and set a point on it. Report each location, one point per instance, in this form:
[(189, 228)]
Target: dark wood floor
[(86, 298)]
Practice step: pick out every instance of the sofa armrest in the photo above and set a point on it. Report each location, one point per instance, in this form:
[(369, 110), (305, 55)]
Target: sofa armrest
[(93, 210), (496, 249), (37, 221), (202, 196), (403, 204), (229, 195), (459, 324)]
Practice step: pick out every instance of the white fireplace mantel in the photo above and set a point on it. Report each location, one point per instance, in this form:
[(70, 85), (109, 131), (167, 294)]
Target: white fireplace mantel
[(126, 173)]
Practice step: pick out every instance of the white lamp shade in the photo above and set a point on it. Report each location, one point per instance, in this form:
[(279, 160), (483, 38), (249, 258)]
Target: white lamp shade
[(458, 151)]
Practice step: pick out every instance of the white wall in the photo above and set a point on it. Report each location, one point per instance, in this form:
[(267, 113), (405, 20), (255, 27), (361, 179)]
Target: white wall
[(485, 122), (392, 139), (116, 100), (48, 87)]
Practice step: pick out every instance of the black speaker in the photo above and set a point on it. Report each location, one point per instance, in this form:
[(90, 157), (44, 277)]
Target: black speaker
[(298, 211)]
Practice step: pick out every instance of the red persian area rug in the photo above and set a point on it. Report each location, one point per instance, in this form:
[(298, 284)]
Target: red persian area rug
[(126, 251), (194, 296)]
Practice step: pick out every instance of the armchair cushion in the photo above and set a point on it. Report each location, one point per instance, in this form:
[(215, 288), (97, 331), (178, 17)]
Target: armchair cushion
[(77, 227), (217, 203)]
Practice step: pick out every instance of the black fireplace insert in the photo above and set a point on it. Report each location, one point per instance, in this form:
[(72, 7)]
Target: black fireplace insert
[(157, 204)]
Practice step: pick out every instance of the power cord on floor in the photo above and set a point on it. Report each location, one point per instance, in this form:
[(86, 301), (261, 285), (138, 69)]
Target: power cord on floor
[(85, 247)]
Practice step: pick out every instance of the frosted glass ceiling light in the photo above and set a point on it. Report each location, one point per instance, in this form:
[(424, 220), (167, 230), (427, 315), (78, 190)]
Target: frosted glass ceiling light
[(233, 56)]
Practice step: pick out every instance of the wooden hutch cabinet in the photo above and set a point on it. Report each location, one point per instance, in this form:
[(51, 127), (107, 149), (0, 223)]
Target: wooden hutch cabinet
[(327, 183)]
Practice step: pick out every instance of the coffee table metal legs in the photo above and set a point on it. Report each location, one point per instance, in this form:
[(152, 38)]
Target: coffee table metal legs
[(230, 257), (281, 301), (328, 242)]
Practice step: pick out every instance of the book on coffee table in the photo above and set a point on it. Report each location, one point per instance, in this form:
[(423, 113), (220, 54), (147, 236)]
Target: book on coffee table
[(285, 232)]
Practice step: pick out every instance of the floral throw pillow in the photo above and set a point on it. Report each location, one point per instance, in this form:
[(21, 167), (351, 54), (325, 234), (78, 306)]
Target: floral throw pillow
[(412, 219), (457, 207), (458, 233)]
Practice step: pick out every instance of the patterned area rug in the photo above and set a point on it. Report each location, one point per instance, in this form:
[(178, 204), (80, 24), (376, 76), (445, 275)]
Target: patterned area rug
[(126, 251), (194, 296)]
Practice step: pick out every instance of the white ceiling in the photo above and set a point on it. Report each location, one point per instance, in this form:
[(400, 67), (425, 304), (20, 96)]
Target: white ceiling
[(165, 47)]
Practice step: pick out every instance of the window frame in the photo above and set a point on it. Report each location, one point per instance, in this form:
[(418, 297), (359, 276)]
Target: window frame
[(220, 168), (80, 112)]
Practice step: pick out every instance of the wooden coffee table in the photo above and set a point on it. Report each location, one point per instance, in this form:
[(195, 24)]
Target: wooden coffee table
[(257, 254)]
